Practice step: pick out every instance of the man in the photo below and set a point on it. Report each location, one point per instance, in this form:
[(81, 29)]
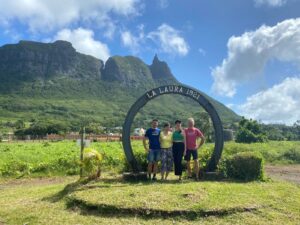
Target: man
[(153, 149), (193, 135)]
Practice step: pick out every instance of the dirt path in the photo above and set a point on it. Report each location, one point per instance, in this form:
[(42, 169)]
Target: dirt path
[(35, 181), (289, 172)]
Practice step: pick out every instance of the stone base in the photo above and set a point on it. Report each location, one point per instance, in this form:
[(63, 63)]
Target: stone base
[(211, 176), (131, 176)]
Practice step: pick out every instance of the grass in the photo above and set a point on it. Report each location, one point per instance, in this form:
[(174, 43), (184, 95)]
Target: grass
[(62, 158), (113, 201), (110, 200)]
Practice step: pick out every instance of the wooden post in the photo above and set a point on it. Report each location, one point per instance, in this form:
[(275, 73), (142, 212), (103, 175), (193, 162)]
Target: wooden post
[(82, 148)]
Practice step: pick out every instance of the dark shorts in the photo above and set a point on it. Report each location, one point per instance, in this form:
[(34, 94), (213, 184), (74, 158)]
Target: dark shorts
[(153, 155), (190, 153)]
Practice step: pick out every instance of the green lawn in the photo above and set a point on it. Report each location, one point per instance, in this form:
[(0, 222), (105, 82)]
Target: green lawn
[(113, 201)]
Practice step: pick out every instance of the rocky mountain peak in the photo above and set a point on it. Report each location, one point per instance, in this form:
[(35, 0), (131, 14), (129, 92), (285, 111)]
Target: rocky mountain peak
[(160, 69)]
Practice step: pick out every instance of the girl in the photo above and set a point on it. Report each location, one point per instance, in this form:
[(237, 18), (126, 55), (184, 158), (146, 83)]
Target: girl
[(166, 151), (179, 147)]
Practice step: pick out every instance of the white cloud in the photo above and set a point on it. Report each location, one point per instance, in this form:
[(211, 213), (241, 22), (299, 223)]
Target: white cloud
[(272, 3), (131, 41), (163, 3), (84, 42), (170, 40), (202, 51), (278, 104), (249, 53), (47, 15)]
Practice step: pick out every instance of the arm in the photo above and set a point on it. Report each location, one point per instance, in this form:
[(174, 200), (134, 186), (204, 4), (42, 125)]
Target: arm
[(145, 144), (184, 141), (201, 136), (201, 142)]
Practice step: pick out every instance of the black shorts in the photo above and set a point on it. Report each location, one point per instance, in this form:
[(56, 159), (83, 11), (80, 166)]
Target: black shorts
[(190, 153)]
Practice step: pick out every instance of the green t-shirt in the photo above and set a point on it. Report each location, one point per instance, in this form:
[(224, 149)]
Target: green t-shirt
[(178, 136)]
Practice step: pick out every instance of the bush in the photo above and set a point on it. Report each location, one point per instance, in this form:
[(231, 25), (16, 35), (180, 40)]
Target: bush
[(141, 158), (244, 166), (91, 164), (293, 155)]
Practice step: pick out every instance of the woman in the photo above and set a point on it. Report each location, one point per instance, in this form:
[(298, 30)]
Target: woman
[(179, 147), (165, 139)]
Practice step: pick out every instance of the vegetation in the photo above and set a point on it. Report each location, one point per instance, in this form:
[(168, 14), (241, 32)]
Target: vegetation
[(244, 166), (91, 164), (113, 201), (65, 86), (110, 200), (250, 131), (62, 158)]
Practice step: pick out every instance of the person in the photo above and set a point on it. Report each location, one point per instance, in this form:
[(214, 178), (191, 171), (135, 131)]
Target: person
[(153, 148), (193, 135), (179, 148), (166, 151)]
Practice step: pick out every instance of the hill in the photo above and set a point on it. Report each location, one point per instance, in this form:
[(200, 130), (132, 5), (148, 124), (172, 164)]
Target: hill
[(52, 82)]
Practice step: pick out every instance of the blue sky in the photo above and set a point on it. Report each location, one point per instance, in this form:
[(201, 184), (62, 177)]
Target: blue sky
[(244, 53)]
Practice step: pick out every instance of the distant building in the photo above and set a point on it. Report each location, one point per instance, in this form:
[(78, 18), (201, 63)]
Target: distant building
[(139, 132)]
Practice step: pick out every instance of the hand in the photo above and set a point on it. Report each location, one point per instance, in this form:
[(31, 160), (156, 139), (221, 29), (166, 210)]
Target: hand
[(147, 149)]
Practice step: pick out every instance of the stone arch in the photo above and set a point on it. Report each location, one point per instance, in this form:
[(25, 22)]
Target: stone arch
[(180, 90)]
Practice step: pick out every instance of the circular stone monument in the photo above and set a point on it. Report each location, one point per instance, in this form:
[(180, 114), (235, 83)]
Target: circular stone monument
[(179, 90)]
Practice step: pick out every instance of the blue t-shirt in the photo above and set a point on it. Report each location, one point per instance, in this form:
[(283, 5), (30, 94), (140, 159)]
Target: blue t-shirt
[(153, 136)]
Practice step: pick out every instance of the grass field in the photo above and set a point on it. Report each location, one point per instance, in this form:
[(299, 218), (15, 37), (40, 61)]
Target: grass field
[(62, 158), (64, 200), (42, 194)]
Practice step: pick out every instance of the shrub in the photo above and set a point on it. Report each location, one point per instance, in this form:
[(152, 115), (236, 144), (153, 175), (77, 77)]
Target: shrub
[(244, 166), (293, 155), (141, 158), (91, 164)]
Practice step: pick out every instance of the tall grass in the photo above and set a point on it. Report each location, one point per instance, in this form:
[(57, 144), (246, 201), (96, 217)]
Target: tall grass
[(62, 158)]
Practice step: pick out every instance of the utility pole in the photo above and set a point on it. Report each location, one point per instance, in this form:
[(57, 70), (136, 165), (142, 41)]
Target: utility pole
[(82, 148)]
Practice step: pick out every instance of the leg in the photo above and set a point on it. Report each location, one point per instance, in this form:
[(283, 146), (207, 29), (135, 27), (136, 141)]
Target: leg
[(177, 159), (163, 164), (169, 162), (189, 170), (196, 168), (154, 169), (196, 164), (181, 150), (167, 174), (150, 166), (188, 162)]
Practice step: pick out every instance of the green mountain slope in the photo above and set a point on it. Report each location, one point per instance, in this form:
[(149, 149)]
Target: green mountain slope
[(53, 82)]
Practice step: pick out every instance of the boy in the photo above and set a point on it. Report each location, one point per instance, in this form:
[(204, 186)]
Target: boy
[(153, 149)]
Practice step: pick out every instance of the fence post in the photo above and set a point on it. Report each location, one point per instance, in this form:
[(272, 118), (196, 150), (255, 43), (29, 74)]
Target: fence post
[(82, 148)]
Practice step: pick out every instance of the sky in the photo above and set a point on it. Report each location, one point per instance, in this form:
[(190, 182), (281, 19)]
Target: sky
[(246, 54)]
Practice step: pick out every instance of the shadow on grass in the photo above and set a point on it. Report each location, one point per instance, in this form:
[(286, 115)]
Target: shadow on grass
[(68, 189), (82, 184), (106, 210)]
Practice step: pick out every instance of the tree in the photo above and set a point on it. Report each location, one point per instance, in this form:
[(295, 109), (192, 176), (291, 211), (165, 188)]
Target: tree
[(250, 131), (203, 122), (19, 124)]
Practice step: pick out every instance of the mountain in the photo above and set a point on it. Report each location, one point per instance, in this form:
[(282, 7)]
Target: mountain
[(53, 82)]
